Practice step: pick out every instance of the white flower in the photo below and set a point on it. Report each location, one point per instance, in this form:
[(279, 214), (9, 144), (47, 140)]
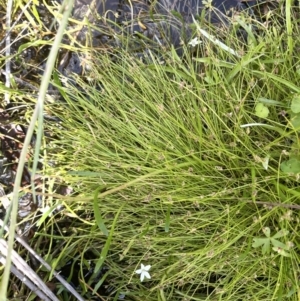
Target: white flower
[(144, 272), (194, 42)]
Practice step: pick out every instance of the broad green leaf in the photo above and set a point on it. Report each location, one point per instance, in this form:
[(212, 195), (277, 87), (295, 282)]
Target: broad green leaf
[(291, 166), (279, 79), (261, 110), (209, 80), (266, 247), (257, 242), (295, 121), (270, 101), (281, 252), (281, 233), (105, 249), (267, 231), (278, 244), (98, 217), (295, 106), (167, 223), (267, 101)]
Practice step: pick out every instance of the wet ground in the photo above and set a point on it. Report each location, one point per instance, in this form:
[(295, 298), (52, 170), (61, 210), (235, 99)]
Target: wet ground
[(151, 25)]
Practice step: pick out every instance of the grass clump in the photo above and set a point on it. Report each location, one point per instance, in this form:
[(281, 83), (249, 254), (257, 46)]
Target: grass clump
[(174, 167)]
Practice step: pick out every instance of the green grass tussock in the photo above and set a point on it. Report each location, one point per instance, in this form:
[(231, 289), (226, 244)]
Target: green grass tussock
[(160, 155)]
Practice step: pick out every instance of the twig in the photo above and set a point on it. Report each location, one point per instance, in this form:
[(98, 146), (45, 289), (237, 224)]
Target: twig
[(26, 281), (25, 273), (45, 264)]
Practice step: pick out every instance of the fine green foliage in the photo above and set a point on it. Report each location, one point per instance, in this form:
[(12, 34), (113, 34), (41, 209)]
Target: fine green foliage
[(179, 165)]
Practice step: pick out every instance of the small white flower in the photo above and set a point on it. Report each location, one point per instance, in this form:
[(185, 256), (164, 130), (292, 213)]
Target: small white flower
[(194, 42), (144, 272)]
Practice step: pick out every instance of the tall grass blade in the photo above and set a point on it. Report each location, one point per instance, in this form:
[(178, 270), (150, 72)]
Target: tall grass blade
[(107, 243), (98, 217)]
